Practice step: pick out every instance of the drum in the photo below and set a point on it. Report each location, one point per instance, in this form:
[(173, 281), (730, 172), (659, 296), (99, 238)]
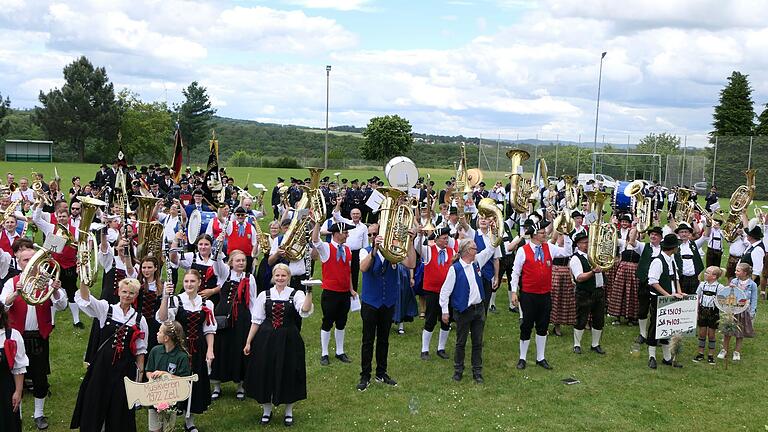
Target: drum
[(401, 173), (194, 222), (621, 202)]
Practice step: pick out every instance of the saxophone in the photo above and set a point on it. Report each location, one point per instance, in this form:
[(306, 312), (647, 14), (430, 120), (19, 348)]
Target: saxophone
[(740, 199), (642, 205), (87, 253), (295, 239), (395, 219), (519, 187), (603, 237)]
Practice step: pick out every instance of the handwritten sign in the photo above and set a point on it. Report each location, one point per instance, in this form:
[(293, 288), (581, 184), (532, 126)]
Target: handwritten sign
[(674, 316), (164, 389)]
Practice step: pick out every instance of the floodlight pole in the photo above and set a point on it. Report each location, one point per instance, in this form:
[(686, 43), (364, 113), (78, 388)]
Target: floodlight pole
[(597, 111), (327, 102)]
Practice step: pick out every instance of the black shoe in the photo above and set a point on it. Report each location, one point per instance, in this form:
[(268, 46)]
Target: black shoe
[(363, 384), (425, 355), (478, 379), (577, 350), (521, 364), (492, 309), (598, 349), (79, 325), (556, 331), (265, 419), (442, 354), (457, 376), (544, 364), (343, 358), (41, 422), (699, 357), (640, 339), (652, 362), (324, 361), (672, 363), (514, 310), (666, 362), (386, 379), (710, 360), (288, 421)]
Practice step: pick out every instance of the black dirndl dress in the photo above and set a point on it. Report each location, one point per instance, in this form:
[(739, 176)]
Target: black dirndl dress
[(9, 421), (277, 370), (109, 293), (198, 347), (148, 302), (101, 400), (234, 322), (209, 278)]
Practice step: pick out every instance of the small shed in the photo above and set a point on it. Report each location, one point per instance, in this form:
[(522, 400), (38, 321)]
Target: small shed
[(28, 151)]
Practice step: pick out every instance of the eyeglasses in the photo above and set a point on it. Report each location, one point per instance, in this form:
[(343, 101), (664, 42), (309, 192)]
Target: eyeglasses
[(372, 234)]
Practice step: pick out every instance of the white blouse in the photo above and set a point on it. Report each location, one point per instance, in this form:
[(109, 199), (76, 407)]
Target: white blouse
[(98, 309), (20, 361), (259, 313), (194, 305)]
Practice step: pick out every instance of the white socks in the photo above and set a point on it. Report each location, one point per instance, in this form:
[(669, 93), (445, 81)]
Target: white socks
[(443, 339), (577, 334), (667, 351), (339, 336), (524, 348), (189, 421), (289, 410), (541, 346), (268, 408), (75, 313), (596, 337), (643, 323), (401, 326), (325, 338), (426, 337), (651, 351), (216, 385), (493, 299), (509, 294), (39, 407)]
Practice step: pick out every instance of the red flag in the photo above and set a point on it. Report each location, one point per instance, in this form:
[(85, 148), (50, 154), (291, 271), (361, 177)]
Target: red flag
[(178, 146)]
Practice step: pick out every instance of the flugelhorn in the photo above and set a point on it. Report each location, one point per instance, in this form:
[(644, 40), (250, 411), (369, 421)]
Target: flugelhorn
[(603, 237), (87, 253)]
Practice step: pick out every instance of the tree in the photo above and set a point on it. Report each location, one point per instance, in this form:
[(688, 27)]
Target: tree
[(733, 120), (147, 128), (195, 116), (84, 108), (5, 108), (663, 144), (386, 137), (762, 123)]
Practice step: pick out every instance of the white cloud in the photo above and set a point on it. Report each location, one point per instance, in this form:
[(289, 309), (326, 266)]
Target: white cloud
[(342, 5)]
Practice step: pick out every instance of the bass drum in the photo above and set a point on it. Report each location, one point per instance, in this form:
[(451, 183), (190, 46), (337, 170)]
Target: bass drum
[(401, 173), (621, 202)]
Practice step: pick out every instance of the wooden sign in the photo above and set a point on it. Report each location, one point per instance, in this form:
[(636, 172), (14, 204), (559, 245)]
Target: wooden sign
[(675, 316), (164, 389)]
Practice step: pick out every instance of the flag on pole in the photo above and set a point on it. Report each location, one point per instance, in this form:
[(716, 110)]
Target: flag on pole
[(178, 146), (213, 158)]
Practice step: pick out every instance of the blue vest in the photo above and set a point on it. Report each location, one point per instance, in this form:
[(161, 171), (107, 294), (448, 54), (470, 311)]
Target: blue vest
[(460, 293), (487, 270), (381, 283)]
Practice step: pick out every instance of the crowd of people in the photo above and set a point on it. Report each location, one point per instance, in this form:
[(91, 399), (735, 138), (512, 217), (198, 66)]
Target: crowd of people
[(230, 305)]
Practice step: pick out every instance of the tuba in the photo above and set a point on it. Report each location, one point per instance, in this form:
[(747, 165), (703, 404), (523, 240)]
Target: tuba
[(395, 219), (563, 221), (87, 253), (684, 211), (518, 190), (295, 239), (740, 200), (642, 205), (150, 232), (43, 268), (603, 237), (487, 208), (466, 179)]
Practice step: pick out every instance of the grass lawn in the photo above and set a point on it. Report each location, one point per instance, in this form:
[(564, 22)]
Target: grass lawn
[(617, 391)]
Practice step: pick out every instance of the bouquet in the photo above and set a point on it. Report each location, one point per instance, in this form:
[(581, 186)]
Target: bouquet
[(167, 415)]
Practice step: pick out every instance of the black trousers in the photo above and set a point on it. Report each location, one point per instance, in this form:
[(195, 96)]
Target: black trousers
[(487, 291), (296, 283), (506, 265), (689, 284), (590, 302), (355, 267), (39, 363), (335, 307), (432, 312), (536, 310), (714, 257), (376, 325), (472, 320), (651, 339), (68, 279), (643, 299), (249, 264)]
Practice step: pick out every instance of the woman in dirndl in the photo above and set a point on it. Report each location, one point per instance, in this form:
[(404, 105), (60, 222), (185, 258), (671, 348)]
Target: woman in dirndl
[(623, 301), (207, 262), (148, 300), (277, 369), (563, 292)]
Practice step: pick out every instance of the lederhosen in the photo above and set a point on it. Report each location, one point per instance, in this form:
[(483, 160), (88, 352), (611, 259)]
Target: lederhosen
[(643, 291), (277, 370), (688, 284), (148, 302), (709, 316), (589, 299), (747, 258), (667, 283), (715, 255), (109, 284), (233, 320), (209, 277), (198, 347), (9, 421), (101, 400)]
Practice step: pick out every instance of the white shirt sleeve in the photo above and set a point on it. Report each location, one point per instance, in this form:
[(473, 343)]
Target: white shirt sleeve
[(654, 272), (576, 267), (20, 360), (92, 307), (323, 250), (258, 313), (483, 257), (60, 303), (141, 343), (517, 269), (447, 289), (298, 302)]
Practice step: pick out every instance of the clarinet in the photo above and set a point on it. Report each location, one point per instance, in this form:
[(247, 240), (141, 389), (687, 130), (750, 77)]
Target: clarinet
[(308, 256)]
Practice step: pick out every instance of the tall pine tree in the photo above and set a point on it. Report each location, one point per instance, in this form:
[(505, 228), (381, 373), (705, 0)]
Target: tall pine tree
[(762, 123), (195, 116), (734, 123), (5, 109)]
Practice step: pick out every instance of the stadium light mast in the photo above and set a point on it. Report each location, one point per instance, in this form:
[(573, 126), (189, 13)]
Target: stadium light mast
[(597, 111), (327, 100)]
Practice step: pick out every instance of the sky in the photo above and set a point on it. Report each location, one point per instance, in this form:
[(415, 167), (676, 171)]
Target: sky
[(496, 68)]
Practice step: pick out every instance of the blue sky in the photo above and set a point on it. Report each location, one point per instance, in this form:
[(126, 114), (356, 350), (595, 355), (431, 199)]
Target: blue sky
[(471, 67)]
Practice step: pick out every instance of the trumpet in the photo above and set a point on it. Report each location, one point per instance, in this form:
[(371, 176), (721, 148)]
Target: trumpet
[(40, 195)]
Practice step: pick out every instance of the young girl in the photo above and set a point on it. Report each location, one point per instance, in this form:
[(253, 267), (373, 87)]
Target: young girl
[(13, 366), (196, 316), (277, 370), (148, 301), (709, 315), (170, 357), (208, 268), (744, 319)]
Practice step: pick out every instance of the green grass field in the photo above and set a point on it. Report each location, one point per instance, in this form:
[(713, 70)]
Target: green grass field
[(617, 391)]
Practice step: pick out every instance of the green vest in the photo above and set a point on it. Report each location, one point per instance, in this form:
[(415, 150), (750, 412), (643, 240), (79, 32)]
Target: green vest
[(645, 263), (698, 264), (664, 279), (588, 285)]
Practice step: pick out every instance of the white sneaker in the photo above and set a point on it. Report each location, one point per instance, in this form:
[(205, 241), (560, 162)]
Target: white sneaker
[(736, 356), (721, 354)]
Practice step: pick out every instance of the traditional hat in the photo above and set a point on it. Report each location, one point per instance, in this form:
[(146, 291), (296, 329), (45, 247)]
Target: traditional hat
[(442, 231), (683, 226), (755, 232), (581, 235), (656, 230), (670, 242), (341, 227)]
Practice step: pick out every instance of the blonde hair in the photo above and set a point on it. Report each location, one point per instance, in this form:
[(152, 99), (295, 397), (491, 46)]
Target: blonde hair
[(175, 331), (233, 254), (131, 283), (280, 266), (746, 268), (717, 271), (464, 246)]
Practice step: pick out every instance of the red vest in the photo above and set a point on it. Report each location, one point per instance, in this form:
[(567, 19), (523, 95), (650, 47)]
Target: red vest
[(536, 276), (5, 242), (434, 274), (238, 242), (215, 227), (17, 314), (336, 274)]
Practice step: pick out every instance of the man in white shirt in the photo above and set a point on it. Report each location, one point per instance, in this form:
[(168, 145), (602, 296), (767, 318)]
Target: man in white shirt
[(755, 253), (688, 258), (589, 295), (23, 192), (357, 237), (663, 281)]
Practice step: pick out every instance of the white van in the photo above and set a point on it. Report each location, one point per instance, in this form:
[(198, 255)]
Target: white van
[(606, 180)]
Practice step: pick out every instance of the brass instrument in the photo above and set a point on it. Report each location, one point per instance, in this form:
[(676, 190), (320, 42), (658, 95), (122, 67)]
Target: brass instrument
[(563, 222), (642, 206), (261, 238), (40, 195), (42, 268), (150, 232), (395, 219), (603, 237), (684, 211), (429, 227), (572, 195), (283, 191), (518, 190), (87, 252), (487, 208), (11, 209), (740, 200), (295, 239), (466, 179)]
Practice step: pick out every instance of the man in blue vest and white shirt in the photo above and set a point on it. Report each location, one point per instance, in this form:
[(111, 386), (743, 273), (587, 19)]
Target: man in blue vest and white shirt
[(490, 270), (463, 289)]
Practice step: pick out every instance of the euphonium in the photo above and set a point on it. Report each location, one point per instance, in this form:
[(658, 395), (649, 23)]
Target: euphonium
[(642, 205), (743, 195), (488, 209), (603, 236), (295, 240), (563, 222), (518, 190), (87, 258), (465, 180), (41, 269), (684, 211), (150, 232), (316, 199), (395, 219)]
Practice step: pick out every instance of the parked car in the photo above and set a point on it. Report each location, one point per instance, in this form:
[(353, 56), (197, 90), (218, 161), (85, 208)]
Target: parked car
[(701, 188), (606, 180)]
